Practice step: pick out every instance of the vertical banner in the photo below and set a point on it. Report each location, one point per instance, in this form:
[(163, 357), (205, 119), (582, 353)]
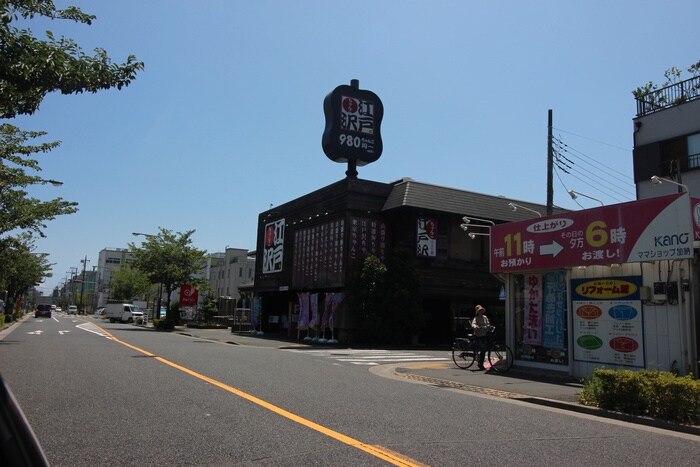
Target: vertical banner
[(327, 302), (608, 325), (303, 311), (426, 237), (255, 314), (313, 321), (554, 311), (532, 327), (335, 301), (273, 248)]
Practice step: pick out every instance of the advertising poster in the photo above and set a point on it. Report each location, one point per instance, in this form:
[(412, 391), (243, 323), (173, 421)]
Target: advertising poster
[(273, 250), (189, 296), (646, 230), (607, 321), (426, 237), (532, 327), (554, 311)]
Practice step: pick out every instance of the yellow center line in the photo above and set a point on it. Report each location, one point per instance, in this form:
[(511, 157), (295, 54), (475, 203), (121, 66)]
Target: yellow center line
[(377, 451)]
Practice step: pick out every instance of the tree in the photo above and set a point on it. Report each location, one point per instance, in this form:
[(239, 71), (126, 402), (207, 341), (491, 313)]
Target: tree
[(31, 67), (22, 268), (404, 317), (169, 259), (652, 95), (366, 298), (128, 283), (18, 211)]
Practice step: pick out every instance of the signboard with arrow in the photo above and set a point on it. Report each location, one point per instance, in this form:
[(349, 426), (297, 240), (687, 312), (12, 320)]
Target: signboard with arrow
[(646, 230)]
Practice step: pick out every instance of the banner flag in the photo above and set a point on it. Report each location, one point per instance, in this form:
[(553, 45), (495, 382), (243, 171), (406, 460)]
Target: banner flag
[(336, 299), (303, 310), (327, 302), (313, 321)]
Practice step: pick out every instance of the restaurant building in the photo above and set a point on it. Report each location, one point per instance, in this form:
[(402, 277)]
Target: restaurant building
[(307, 249)]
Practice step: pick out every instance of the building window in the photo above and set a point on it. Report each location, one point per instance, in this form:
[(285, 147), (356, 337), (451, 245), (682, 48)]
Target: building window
[(694, 151)]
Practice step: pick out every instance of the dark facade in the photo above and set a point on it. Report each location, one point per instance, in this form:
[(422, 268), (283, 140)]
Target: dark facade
[(312, 243)]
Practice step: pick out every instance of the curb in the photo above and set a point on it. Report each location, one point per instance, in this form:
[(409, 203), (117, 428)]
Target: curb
[(588, 410)]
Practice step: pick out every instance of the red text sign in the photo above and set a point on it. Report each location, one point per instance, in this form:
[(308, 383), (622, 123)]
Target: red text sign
[(646, 230)]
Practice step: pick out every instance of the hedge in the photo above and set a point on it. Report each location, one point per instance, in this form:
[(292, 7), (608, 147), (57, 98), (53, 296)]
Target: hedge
[(650, 393)]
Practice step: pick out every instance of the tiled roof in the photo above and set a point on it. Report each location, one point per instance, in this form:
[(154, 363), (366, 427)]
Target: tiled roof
[(410, 193)]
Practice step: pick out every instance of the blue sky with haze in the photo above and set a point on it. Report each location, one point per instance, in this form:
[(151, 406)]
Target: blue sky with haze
[(226, 119)]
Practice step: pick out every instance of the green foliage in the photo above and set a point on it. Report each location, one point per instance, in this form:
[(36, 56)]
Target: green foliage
[(164, 324), (647, 392), (31, 67), (385, 300), (18, 211), (365, 298), (170, 259), (128, 283), (404, 317), (2, 319), (21, 267), (653, 97)]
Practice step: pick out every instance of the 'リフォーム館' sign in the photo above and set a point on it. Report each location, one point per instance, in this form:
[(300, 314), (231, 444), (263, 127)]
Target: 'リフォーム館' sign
[(646, 230)]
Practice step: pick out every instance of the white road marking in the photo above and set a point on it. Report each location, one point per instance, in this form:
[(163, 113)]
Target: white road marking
[(89, 327), (370, 357)]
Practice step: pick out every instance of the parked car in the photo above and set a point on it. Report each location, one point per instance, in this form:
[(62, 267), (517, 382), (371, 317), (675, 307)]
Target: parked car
[(72, 310), (42, 310)]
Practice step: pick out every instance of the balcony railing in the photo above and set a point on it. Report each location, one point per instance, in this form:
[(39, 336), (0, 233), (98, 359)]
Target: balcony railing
[(670, 96)]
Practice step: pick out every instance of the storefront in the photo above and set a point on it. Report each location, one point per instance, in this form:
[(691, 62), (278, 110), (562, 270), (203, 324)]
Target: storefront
[(606, 287)]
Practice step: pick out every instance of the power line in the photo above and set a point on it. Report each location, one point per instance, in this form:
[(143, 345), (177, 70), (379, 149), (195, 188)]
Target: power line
[(598, 177), (628, 150)]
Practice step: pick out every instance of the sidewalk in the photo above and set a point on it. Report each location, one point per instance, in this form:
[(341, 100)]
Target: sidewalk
[(523, 384)]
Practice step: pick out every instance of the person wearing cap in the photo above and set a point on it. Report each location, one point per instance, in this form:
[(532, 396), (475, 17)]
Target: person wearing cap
[(481, 327)]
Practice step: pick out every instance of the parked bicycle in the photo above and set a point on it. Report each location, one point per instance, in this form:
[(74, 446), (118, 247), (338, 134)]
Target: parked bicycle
[(465, 351)]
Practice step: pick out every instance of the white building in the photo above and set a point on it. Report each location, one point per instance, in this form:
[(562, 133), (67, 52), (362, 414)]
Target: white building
[(109, 260), (227, 272)]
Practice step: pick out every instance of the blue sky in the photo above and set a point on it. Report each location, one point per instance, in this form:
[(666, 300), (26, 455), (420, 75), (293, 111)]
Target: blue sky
[(227, 117)]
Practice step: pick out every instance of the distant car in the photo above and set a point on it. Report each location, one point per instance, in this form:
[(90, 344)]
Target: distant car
[(72, 310), (42, 310), (58, 308)]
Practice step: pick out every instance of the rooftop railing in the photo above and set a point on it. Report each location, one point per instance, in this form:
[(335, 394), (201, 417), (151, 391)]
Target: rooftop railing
[(670, 96)]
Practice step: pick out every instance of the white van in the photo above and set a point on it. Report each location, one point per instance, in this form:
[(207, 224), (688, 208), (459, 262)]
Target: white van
[(72, 310), (123, 312)]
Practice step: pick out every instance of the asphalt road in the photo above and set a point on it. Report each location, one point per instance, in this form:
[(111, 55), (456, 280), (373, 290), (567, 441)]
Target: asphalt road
[(97, 393)]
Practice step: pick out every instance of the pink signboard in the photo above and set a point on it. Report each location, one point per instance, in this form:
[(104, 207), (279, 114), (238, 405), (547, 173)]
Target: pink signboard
[(646, 230), (695, 210)]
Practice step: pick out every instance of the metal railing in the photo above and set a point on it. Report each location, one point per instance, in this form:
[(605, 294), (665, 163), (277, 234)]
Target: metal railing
[(669, 96)]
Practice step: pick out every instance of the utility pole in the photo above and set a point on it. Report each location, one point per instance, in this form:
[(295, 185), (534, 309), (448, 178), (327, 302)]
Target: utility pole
[(73, 273), (82, 283), (550, 165)]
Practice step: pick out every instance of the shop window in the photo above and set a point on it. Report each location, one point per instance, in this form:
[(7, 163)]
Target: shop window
[(694, 151), (540, 318)]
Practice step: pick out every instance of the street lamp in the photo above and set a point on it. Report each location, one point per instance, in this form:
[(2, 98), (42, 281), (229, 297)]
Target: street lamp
[(52, 182), (576, 194), (473, 235), (514, 207), (656, 180)]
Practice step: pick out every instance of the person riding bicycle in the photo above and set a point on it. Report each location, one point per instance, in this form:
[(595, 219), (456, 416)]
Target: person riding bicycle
[(481, 327)]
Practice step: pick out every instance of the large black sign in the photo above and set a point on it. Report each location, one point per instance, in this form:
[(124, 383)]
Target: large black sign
[(353, 125)]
